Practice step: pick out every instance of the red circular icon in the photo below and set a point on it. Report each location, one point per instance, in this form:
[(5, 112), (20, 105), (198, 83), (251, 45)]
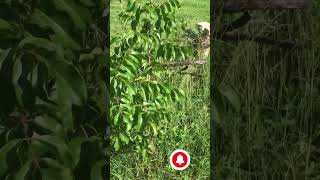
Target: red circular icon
[(179, 159)]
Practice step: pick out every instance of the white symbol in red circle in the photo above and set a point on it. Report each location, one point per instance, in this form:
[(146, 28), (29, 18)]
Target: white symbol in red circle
[(179, 159)]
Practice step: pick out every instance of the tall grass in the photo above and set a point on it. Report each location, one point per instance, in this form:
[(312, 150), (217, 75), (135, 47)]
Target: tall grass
[(276, 131), (188, 129)]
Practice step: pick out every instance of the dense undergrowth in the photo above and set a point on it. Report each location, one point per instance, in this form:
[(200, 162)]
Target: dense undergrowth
[(266, 99)]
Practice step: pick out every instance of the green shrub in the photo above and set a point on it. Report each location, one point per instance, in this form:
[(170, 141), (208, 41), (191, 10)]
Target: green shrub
[(141, 98), (53, 94)]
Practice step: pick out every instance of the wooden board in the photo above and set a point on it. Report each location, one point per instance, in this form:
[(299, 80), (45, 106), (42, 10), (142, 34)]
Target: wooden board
[(240, 5)]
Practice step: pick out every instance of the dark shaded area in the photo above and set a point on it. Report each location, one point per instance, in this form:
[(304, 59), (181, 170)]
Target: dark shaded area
[(265, 84)]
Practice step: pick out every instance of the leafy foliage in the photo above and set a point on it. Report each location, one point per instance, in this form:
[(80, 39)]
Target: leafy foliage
[(53, 91), (140, 97)]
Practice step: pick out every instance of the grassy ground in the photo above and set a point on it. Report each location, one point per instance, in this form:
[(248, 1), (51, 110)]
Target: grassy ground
[(192, 11), (272, 131), (189, 127)]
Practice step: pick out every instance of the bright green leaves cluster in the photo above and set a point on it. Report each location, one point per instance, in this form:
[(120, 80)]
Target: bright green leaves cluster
[(53, 92), (175, 52), (163, 14), (140, 97)]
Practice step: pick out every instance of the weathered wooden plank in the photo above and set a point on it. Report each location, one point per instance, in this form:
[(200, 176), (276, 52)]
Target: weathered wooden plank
[(240, 5)]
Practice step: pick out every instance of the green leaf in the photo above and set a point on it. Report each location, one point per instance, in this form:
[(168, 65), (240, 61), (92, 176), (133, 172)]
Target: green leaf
[(143, 94), (3, 155), (17, 70), (41, 19), (116, 144), (182, 53), (134, 24), (154, 128), (54, 174), (38, 149), (59, 144), (115, 40), (131, 89), (70, 86), (70, 83), (5, 26), (129, 73), (168, 6), (48, 123), (131, 5), (16, 73), (116, 119), (144, 154), (53, 163), (86, 57), (133, 62), (103, 96), (50, 174), (96, 170), (75, 147), (21, 174), (38, 42), (34, 75), (67, 174), (124, 138), (3, 55), (176, 95), (163, 9), (178, 3), (66, 7), (128, 126), (140, 121)]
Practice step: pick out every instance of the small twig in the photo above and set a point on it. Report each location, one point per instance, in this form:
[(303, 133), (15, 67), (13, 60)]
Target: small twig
[(84, 131), (191, 74), (240, 22), (90, 126), (184, 63), (259, 39)]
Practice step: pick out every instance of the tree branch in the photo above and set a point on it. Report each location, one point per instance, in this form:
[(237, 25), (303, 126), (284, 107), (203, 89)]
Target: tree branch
[(232, 6), (191, 74), (184, 63), (243, 20), (259, 39)]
